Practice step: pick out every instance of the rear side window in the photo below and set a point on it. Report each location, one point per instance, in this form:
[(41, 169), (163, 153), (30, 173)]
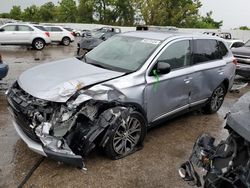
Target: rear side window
[(40, 27), (223, 49), (55, 29), (205, 50), (10, 28), (48, 28), (177, 55), (24, 28)]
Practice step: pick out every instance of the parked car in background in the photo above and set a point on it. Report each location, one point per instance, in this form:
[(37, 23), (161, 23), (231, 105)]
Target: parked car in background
[(60, 35), (83, 33), (95, 38), (122, 87), (73, 31), (24, 34), (235, 43), (4, 68), (242, 54)]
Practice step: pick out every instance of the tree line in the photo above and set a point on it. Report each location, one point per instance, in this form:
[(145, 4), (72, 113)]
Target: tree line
[(178, 13)]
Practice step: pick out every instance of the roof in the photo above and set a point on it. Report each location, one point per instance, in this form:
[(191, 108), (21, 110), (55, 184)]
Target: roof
[(149, 34), (163, 35)]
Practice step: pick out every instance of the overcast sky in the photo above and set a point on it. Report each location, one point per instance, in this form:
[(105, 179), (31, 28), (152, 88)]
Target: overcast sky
[(234, 13)]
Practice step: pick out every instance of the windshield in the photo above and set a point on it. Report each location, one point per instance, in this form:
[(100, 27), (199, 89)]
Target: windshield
[(247, 44), (122, 53)]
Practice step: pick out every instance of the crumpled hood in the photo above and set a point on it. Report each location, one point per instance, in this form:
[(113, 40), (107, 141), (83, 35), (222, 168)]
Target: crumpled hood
[(244, 51), (59, 80)]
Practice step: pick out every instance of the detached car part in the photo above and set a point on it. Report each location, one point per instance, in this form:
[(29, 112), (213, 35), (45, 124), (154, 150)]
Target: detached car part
[(4, 68), (228, 163)]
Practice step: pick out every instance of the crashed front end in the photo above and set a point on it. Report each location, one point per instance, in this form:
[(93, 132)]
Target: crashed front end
[(67, 131)]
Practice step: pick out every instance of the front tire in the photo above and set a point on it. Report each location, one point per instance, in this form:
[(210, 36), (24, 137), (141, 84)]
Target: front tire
[(216, 100), (38, 44), (127, 137), (66, 41)]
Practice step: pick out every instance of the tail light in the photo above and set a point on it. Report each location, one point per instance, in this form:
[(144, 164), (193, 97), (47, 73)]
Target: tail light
[(47, 33), (1, 61), (235, 61), (72, 33)]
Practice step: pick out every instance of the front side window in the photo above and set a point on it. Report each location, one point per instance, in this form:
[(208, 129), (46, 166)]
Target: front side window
[(205, 50), (24, 28), (177, 55), (10, 28), (238, 44)]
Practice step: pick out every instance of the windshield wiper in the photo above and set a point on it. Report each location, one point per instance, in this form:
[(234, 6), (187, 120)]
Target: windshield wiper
[(97, 65)]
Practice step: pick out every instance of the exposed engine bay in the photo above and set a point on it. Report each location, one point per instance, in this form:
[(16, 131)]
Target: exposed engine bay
[(227, 164), (69, 129)]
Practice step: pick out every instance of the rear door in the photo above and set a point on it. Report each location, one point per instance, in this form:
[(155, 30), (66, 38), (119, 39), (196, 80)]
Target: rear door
[(209, 68), (56, 34), (24, 34), (8, 36)]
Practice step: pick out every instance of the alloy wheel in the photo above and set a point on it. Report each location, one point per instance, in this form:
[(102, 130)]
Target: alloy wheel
[(217, 98), (39, 45), (127, 136)]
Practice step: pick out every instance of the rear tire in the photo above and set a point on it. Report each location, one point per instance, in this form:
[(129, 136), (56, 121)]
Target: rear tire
[(66, 41), (216, 100), (128, 135), (38, 44)]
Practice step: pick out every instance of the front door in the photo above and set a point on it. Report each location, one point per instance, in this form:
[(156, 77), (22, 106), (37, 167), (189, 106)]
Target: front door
[(169, 93), (8, 36)]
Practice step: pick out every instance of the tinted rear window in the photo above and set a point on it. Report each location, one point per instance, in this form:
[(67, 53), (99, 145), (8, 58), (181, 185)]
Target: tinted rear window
[(205, 50), (40, 27), (68, 29), (223, 49)]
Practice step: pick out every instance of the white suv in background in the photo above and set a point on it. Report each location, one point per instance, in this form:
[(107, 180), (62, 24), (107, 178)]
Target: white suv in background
[(24, 34), (61, 35)]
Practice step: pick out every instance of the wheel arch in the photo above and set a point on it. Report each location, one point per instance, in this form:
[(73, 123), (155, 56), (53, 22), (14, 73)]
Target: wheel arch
[(226, 83), (38, 38)]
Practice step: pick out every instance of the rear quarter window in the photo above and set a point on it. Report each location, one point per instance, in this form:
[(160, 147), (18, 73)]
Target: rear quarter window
[(205, 50), (40, 28), (56, 29)]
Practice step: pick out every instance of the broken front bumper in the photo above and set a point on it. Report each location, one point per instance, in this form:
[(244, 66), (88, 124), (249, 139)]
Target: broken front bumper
[(75, 160)]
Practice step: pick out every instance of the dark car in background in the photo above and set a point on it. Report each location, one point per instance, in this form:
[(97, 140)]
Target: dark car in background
[(242, 55), (95, 37), (4, 68)]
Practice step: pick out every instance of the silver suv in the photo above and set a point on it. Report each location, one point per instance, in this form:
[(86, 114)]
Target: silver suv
[(108, 99)]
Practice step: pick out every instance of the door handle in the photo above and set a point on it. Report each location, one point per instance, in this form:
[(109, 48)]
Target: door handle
[(221, 71), (187, 80)]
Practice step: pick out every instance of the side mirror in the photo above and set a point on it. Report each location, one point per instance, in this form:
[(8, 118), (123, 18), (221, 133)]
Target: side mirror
[(1, 30), (163, 67)]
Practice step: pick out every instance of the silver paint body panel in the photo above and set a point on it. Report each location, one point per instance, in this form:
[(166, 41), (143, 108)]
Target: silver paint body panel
[(178, 90)]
